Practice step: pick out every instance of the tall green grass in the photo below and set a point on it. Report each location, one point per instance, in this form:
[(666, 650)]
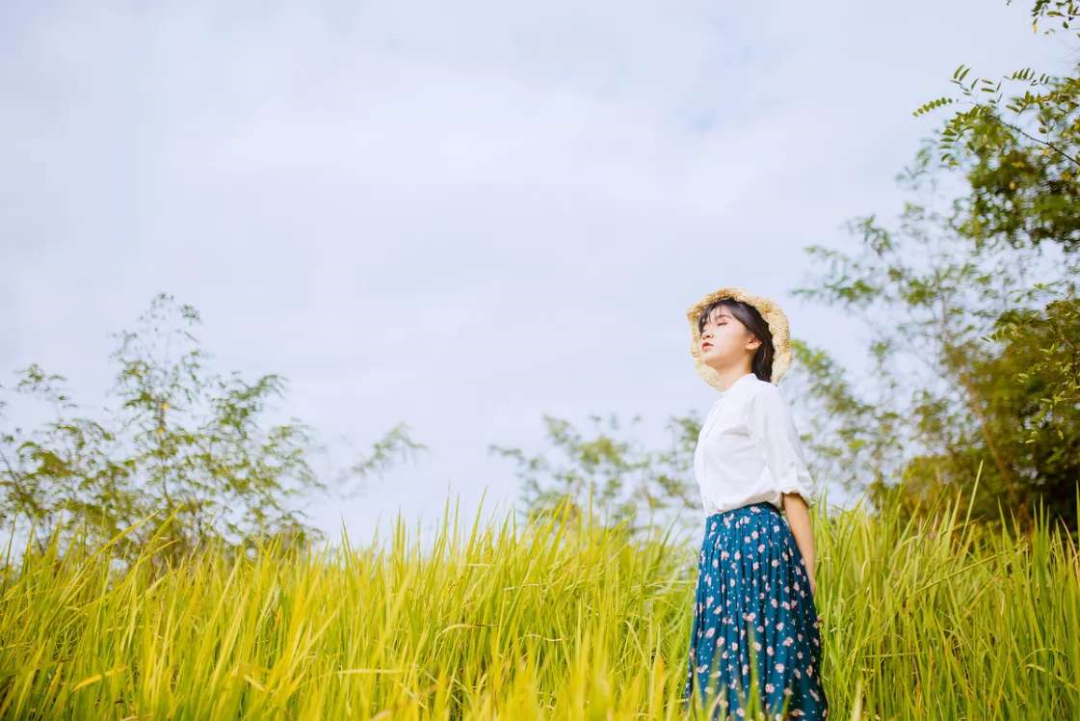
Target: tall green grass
[(934, 618)]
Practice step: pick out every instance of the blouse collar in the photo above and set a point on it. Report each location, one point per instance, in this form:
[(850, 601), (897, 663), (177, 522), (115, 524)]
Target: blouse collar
[(737, 382)]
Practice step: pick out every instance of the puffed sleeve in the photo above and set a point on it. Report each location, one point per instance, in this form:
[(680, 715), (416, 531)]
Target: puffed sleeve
[(773, 430)]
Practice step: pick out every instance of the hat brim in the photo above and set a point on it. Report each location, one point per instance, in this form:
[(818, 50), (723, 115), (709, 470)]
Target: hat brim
[(770, 311)]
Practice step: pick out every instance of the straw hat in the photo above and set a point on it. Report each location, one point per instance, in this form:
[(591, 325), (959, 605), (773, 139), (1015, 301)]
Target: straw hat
[(770, 311)]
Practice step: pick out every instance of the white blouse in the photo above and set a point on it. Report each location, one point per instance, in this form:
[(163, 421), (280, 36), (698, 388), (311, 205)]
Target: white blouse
[(749, 450)]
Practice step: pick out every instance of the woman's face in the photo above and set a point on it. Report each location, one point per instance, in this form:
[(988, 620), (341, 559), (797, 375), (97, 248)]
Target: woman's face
[(725, 341)]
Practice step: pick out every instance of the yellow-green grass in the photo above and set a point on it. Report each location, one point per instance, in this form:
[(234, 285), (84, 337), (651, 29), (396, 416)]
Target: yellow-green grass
[(937, 618)]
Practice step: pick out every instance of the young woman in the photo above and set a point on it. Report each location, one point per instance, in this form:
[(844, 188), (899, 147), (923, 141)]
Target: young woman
[(754, 614)]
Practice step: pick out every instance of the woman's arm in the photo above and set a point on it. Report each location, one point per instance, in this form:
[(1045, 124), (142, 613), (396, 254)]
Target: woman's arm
[(798, 519), (772, 427)]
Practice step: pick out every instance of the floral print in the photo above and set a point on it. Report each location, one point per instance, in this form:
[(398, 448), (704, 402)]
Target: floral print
[(754, 608)]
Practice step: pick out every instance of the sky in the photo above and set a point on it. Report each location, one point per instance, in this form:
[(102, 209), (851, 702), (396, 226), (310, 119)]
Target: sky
[(457, 216)]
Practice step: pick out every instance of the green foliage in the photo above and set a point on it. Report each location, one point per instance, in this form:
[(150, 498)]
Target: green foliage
[(1038, 413), (186, 446), (1019, 152), (1049, 342), (851, 440), (1066, 11), (943, 395), (619, 478), (972, 320)]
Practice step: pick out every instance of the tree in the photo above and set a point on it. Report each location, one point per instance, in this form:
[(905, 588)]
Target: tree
[(622, 479), (948, 318), (186, 448), (1019, 153)]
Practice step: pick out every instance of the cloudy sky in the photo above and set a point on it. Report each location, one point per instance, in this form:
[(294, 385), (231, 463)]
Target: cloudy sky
[(460, 216)]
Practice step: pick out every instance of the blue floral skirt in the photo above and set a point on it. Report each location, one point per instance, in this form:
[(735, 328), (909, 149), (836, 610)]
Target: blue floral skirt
[(754, 620)]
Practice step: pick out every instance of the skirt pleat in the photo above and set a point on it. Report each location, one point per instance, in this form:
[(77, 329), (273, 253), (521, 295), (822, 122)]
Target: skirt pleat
[(754, 616)]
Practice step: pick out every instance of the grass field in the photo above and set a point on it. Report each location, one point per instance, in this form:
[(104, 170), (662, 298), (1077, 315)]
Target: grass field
[(935, 619)]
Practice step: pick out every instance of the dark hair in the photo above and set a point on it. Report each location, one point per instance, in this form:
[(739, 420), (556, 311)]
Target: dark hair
[(748, 315)]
